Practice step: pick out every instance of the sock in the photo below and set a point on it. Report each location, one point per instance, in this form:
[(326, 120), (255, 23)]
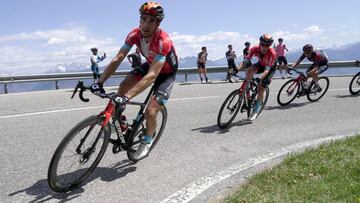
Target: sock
[(147, 139)]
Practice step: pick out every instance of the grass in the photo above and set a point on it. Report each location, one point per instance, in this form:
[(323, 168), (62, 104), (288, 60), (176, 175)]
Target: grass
[(330, 173)]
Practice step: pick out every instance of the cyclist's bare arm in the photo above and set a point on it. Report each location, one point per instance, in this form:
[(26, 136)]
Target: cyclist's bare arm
[(113, 65), (296, 64), (147, 80)]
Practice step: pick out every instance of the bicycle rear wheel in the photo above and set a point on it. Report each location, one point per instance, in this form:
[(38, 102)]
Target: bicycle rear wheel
[(288, 92), (138, 134), (313, 95), (78, 154), (354, 86), (229, 109)]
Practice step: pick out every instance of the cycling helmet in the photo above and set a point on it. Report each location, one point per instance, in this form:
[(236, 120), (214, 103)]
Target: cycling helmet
[(266, 39), (152, 8), (247, 43), (94, 49), (308, 47)]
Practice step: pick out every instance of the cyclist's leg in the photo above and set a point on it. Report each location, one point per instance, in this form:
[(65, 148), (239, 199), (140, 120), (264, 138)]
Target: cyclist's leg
[(132, 78), (312, 72), (163, 85)]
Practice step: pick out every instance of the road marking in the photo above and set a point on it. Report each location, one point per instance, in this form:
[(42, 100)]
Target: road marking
[(92, 107), (192, 190)]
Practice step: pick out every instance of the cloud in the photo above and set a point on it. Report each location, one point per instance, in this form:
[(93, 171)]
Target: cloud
[(41, 50)]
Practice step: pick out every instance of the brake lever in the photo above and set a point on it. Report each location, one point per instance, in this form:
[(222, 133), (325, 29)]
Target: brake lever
[(82, 88)]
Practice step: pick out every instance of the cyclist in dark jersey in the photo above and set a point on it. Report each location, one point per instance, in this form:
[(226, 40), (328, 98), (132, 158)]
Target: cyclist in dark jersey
[(320, 63), (232, 69), (265, 65), (160, 68), (135, 58)]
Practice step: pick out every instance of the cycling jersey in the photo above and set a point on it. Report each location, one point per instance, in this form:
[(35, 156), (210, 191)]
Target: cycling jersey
[(160, 48), (267, 59), (317, 57)]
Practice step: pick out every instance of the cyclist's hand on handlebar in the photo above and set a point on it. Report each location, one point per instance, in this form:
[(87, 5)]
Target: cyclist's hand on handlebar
[(122, 100), (97, 89)]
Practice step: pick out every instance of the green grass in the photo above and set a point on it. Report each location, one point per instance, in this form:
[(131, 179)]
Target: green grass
[(330, 173)]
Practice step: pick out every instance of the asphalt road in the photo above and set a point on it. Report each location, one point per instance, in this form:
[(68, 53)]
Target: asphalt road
[(191, 149)]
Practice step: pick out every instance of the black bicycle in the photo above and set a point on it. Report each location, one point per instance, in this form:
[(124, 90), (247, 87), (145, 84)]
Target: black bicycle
[(354, 86), (300, 86), (82, 148), (243, 100)]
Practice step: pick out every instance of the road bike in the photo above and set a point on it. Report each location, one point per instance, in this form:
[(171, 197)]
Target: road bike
[(81, 150), (354, 86), (243, 100), (300, 86)]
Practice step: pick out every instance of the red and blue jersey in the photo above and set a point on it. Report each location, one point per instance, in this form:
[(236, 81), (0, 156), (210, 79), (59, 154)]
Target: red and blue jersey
[(267, 59), (160, 48)]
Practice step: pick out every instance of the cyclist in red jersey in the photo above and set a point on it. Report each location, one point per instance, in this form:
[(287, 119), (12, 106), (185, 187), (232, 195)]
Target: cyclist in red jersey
[(265, 65), (320, 63), (160, 68)]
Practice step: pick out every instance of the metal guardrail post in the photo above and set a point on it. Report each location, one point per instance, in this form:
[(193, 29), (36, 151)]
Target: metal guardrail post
[(186, 77), (5, 88), (56, 84)]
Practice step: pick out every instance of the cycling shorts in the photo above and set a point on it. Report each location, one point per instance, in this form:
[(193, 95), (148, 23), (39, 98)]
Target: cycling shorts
[(163, 83)]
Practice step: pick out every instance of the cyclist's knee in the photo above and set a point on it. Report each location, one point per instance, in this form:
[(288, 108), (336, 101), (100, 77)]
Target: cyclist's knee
[(152, 110)]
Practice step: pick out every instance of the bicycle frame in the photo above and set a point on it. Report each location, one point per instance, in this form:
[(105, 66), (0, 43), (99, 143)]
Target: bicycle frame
[(113, 111)]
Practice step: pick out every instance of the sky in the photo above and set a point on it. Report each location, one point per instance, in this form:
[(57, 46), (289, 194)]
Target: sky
[(39, 35)]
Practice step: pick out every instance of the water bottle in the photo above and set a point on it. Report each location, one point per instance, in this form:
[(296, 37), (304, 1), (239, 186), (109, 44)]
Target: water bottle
[(124, 125)]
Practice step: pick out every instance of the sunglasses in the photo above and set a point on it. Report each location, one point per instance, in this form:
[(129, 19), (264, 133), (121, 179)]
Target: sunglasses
[(265, 45)]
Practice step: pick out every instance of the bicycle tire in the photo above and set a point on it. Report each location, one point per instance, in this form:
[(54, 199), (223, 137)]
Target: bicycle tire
[(53, 178), (235, 109), (293, 94), (138, 133), (355, 79), (323, 91)]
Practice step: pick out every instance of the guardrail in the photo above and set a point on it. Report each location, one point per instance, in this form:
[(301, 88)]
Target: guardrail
[(88, 75)]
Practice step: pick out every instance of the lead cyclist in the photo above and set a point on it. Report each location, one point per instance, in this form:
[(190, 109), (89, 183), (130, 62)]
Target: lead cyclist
[(265, 65), (160, 68)]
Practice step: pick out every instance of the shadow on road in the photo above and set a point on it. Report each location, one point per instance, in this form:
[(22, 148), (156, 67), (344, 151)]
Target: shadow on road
[(289, 106), (42, 192), (346, 96), (216, 129)]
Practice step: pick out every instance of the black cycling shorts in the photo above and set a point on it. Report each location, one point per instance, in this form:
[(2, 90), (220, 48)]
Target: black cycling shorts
[(267, 79), (282, 60), (321, 66), (163, 83)]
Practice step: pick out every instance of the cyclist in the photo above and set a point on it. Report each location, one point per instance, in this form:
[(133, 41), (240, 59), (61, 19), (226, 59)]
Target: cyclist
[(160, 68), (281, 58), (232, 69), (320, 63), (265, 65), (95, 59), (135, 58), (201, 61)]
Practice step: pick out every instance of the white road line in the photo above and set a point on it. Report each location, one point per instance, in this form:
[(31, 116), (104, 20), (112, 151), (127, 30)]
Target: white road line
[(192, 190), (92, 107)]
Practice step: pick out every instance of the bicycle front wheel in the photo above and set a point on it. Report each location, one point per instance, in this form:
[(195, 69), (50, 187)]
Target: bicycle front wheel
[(288, 92), (78, 154), (354, 86), (229, 109), (138, 134), (316, 94)]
